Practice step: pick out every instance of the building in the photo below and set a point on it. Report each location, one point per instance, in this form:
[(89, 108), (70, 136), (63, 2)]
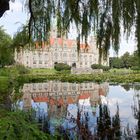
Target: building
[(60, 50)]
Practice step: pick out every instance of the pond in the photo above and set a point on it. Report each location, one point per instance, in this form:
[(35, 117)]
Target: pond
[(57, 105)]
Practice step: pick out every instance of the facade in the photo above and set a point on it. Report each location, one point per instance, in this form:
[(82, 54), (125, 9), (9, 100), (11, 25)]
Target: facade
[(59, 50)]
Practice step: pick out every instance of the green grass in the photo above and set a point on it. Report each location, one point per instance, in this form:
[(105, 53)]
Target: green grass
[(114, 75), (122, 71), (105, 77), (42, 71), (4, 82)]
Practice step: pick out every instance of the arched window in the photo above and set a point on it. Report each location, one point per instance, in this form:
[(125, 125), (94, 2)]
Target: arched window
[(74, 65)]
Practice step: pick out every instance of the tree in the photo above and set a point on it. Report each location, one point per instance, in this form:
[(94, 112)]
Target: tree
[(135, 59), (4, 5), (116, 62), (62, 66), (104, 17), (6, 52), (21, 38), (126, 60)]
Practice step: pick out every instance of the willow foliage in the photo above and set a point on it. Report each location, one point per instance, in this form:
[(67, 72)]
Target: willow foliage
[(104, 17)]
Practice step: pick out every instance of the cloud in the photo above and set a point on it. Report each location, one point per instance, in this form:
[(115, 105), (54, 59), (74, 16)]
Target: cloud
[(16, 6), (14, 18)]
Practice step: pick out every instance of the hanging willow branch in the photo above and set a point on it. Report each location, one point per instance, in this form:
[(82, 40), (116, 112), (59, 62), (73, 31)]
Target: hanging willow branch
[(102, 16)]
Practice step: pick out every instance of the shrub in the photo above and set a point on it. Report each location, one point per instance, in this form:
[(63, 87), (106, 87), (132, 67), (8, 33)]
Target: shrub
[(61, 66), (98, 66), (63, 72), (105, 68), (21, 69), (135, 68)]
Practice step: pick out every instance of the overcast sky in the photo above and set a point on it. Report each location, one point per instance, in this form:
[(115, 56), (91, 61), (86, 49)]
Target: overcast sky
[(16, 16)]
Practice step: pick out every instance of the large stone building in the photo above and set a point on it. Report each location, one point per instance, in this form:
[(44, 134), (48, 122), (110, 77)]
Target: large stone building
[(59, 50)]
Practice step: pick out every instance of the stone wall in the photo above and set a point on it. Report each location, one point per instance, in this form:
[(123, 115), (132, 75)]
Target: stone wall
[(85, 71)]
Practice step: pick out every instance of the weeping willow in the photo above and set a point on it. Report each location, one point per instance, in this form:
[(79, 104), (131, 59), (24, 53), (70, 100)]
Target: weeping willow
[(104, 17)]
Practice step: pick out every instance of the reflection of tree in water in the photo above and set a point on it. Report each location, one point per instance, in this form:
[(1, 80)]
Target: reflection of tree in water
[(127, 87), (134, 133), (136, 112), (108, 128)]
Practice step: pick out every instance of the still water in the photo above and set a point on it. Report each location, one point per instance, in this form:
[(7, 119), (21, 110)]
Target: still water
[(59, 102)]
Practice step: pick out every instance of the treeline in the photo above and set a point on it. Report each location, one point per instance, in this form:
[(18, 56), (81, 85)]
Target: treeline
[(8, 45), (126, 61), (6, 50)]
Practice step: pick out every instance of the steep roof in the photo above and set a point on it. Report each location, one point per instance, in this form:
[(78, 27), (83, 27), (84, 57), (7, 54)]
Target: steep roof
[(60, 42)]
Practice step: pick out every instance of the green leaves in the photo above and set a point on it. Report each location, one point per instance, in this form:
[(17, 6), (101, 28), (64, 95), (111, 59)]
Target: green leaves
[(21, 38), (18, 126), (6, 52)]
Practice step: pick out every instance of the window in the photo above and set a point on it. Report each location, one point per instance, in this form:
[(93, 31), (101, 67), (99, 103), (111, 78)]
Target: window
[(45, 86), (55, 88), (39, 87), (65, 86), (56, 55), (73, 55), (39, 54), (34, 62), (73, 87), (64, 55), (40, 62), (33, 58), (34, 87), (90, 85)]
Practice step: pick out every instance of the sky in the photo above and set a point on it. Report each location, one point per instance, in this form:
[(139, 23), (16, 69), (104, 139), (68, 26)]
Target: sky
[(17, 16)]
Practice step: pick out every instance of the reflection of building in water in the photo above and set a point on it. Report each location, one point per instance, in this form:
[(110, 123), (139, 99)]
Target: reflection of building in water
[(58, 94), (59, 101)]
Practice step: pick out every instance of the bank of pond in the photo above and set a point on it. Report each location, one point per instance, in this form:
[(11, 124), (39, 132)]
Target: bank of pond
[(52, 109), (122, 78)]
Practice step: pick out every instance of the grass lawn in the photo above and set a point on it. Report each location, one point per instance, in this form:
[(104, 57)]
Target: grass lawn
[(119, 71), (42, 71)]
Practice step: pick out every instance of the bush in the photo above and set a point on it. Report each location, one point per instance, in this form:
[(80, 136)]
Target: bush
[(105, 68), (98, 66), (21, 69), (135, 68), (63, 72), (61, 66)]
